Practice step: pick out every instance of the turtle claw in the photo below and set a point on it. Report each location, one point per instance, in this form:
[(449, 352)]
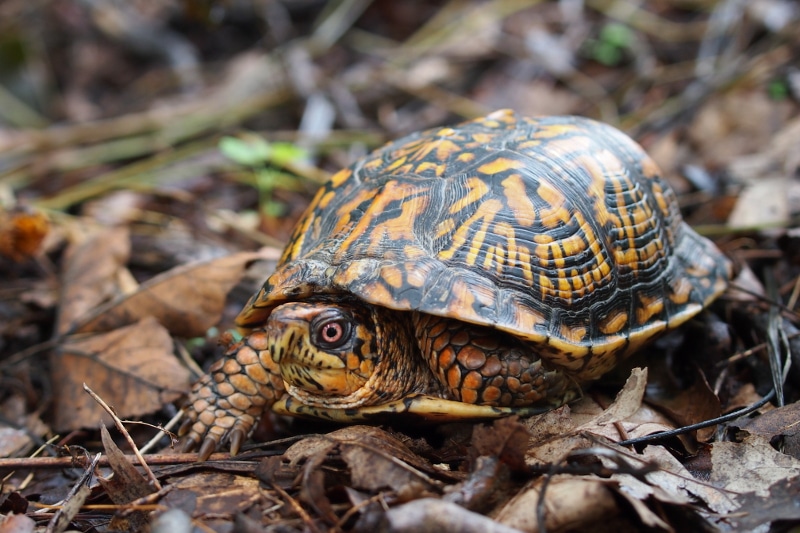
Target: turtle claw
[(237, 436), (208, 447), (187, 444)]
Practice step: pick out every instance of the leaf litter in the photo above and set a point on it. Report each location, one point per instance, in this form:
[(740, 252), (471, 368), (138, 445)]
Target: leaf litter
[(711, 94)]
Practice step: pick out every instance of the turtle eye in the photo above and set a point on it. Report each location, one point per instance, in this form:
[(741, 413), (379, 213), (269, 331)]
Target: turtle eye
[(332, 333)]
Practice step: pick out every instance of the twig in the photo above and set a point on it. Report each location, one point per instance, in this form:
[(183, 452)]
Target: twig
[(118, 423), (155, 459), (56, 523)]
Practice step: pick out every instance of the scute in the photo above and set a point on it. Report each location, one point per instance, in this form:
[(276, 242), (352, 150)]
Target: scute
[(558, 230)]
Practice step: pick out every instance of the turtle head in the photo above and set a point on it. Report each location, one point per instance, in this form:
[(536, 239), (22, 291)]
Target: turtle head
[(329, 354)]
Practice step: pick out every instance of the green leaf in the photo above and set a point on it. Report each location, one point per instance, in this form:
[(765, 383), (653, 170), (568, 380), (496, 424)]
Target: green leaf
[(283, 153), (273, 208), (607, 54), (253, 151), (778, 90), (617, 35)]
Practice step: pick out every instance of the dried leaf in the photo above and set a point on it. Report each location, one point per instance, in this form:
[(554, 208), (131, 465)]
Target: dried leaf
[(507, 439), (187, 300), (693, 405), (214, 493), (133, 369), (22, 231), (90, 274), (559, 432), (125, 486), (780, 504), (673, 483), (16, 523), (750, 466), (571, 503), (429, 515), (376, 458), (627, 402), (781, 422)]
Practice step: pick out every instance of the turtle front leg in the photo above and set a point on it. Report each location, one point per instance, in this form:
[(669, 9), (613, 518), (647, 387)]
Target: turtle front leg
[(484, 366), (225, 404)]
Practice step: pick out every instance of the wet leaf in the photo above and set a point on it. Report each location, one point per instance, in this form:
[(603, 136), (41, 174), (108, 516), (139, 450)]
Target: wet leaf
[(187, 300), (132, 368)]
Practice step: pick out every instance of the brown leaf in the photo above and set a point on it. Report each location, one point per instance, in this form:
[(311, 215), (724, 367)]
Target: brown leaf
[(557, 433), (22, 231), (133, 369), (671, 482), (90, 274), (376, 458), (125, 486), (429, 514), (780, 505), (571, 503), (17, 523), (780, 422), (214, 493), (628, 400), (750, 466), (187, 300), (693, 405), (506, 439)]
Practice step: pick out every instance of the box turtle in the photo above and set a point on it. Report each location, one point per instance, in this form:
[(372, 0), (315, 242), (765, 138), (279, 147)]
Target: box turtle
[(467, 272)]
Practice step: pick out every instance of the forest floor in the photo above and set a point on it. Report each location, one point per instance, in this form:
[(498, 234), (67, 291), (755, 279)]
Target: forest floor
[(155, 156)]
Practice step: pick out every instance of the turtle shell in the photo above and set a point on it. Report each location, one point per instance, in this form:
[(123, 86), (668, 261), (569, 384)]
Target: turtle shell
[(558, 230)]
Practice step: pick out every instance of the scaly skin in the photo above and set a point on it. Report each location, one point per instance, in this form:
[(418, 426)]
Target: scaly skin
[(228, 401), (377, 363)]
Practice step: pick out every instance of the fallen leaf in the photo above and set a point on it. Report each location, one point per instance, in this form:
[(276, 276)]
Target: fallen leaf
[(690, 406), (133, 369), (212, 493), (506, 438), (376, 458), (571, 503), (126, 485), (489, 482), (557, 433), (779, 505), (22, 231), (627, 402), (90, 274), (187, 300), (430, 514), (781, 424), (750, 466), (18, 523)]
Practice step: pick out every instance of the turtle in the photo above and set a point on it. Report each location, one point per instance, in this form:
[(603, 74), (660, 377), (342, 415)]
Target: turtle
[(467, 272)]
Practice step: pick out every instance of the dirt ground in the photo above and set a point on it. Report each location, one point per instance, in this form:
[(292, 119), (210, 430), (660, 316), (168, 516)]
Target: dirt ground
[(155, 157)]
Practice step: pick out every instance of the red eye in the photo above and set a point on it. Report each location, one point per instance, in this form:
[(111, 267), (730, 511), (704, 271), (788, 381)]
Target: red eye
[(332, 332)]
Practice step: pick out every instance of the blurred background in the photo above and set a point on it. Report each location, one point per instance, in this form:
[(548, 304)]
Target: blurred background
[(102, 95)]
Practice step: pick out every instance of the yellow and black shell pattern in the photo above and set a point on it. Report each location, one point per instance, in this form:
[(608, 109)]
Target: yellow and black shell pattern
[(559, 230)]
